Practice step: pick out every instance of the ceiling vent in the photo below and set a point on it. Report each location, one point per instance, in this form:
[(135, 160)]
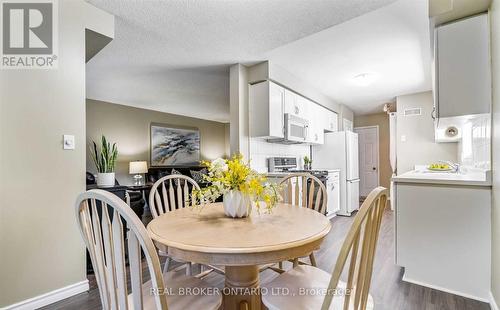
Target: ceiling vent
[(413, 112)]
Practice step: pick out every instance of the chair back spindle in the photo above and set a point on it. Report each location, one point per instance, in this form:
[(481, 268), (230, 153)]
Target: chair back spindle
[(360, 245), (304, 190), (170, 193), (101, 217)]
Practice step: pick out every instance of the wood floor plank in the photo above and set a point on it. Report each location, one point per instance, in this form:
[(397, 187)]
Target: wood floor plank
[(388, 290)]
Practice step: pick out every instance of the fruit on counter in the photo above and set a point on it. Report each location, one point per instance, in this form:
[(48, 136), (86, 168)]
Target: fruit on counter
[(439, 166)]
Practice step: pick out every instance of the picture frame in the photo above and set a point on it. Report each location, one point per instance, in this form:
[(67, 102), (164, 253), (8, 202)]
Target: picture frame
[(174, 145)]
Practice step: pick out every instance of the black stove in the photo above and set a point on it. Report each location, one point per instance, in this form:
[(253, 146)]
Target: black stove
[(322, 175), (289, 164)]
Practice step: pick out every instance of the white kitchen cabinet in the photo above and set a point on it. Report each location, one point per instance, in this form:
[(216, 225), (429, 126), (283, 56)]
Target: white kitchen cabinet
[(333, 193), (317, 122), (268, 102), (266, 109), (331, 121), (296, 104), (463, 73), (291, 107), (304, 105), (321, 120), (443, 236), (328, 119)]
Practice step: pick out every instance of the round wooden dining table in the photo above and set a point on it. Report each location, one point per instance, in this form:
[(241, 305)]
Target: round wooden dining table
[(208, 236)]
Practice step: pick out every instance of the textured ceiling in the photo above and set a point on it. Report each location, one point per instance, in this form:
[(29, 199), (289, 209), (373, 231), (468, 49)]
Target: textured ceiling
[(173, 56), (392, 44)]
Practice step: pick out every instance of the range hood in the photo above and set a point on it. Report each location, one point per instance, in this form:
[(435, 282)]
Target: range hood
[(283, 141)]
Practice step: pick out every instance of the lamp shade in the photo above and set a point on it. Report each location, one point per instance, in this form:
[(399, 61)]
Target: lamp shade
[(138, 167)]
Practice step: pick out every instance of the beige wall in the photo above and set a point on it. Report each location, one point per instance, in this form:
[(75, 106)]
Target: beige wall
[(129, 128), (41, 249), (495, 223), (419, 148), (382, 121)]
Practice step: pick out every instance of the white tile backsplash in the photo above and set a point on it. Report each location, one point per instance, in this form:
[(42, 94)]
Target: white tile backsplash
[(261, 150), (475, 147)]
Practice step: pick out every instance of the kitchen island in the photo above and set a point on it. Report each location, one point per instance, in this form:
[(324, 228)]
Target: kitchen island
[(443, 230)]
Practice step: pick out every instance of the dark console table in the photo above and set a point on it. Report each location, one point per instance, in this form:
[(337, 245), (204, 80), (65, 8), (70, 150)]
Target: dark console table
[(118, 190)]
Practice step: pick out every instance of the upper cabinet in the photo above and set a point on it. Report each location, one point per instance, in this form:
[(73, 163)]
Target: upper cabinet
[(330, 120), (266, 109), (462, 68), (315, 134), (296, 104), (268, 103)]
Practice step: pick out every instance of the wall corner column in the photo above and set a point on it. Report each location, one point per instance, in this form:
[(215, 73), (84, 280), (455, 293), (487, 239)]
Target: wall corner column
[(238, 106)]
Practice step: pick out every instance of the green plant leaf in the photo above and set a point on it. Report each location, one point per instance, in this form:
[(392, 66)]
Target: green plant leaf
[(105, 158)]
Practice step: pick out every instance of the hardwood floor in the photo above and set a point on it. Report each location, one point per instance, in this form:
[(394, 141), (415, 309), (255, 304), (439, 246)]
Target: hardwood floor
[(387, 289)]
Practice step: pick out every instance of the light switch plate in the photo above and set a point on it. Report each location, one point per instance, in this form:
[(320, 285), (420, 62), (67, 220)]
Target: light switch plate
[(403, 138), (68, 142)]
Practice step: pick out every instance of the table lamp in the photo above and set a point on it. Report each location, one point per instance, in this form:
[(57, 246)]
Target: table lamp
[(138, 168)]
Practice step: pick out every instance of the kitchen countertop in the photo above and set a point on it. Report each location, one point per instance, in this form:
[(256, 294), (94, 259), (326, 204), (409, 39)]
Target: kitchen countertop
[(276, 174), (472, 177), (285, 173)]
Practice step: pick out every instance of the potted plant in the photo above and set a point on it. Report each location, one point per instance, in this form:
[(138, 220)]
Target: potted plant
[(241, 187), (307, 163), (105, 161)]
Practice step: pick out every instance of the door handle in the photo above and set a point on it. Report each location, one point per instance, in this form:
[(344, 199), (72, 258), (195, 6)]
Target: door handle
[(374, 168)]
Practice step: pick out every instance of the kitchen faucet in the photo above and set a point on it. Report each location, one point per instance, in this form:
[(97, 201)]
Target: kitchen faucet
[(454, 166)]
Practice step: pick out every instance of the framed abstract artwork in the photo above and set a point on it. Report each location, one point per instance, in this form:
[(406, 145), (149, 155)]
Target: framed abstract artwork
[(174, 146)]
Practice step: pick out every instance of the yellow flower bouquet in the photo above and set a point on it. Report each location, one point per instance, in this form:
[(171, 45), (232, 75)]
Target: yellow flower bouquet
[(241, 187)]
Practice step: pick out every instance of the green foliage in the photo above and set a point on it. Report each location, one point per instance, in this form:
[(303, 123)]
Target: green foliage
[(105, 158), (307, 160)]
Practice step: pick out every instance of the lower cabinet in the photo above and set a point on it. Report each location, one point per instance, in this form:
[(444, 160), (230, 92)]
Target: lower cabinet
[(443, 236)]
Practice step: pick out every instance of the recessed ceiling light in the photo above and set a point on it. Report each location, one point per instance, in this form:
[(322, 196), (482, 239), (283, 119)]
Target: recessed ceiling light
[(365, 79)]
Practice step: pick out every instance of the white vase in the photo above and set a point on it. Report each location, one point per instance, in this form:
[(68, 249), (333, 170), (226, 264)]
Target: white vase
[(237, 204), (106, 179)]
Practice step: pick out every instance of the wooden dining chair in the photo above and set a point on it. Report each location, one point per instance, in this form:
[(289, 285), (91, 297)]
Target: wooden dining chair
[(167, 194), (307, 191), (304, 190), (103, 218), (360, 245)]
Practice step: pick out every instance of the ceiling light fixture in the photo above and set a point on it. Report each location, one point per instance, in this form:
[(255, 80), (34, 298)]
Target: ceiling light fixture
[(365, 79)]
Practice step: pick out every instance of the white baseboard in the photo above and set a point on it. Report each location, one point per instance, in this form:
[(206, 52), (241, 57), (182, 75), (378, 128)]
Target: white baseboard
[(406, 279), (493, 303), (51, 297)]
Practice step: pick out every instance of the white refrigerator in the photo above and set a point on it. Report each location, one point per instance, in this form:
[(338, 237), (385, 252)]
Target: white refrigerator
[(340, 151)]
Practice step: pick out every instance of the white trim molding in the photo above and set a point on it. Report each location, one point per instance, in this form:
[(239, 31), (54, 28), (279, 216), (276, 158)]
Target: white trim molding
[(51, 297), (493, 303)]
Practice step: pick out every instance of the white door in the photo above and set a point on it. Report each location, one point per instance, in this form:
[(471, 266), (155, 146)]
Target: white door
[(368, 159)]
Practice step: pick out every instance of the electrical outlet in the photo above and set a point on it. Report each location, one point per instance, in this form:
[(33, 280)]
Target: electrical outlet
[(68, 142)]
